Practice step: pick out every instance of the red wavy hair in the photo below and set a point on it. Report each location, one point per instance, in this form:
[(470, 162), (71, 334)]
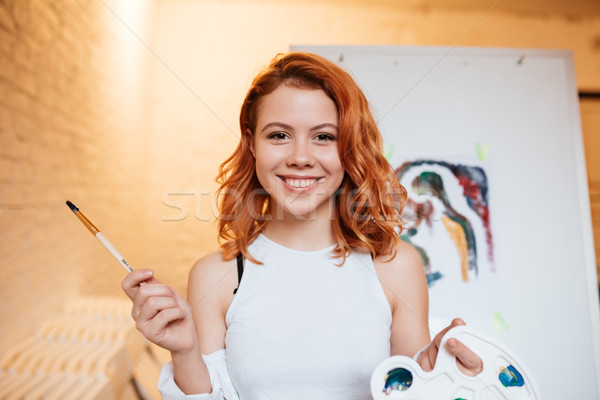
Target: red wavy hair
[(370, 199)]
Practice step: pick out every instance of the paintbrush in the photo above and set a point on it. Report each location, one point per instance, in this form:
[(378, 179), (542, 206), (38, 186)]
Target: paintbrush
[(96, 232)]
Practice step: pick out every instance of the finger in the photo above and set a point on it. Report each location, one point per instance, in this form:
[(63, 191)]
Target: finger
[(427, 359), (429, 356), (133, 279), (154, 329), (437, 340), (468, 363), (154, 305), (155, 289), (457, 322), (145, 292)]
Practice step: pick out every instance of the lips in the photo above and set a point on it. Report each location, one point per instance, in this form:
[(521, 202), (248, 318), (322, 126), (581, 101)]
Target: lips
[(299, 182)]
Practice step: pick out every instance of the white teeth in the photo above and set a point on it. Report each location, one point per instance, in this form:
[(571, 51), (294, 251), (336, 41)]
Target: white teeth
[(300, 183)]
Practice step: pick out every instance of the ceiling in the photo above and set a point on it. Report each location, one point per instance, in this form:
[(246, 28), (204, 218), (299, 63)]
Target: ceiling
[(562, 7), (566, 8)]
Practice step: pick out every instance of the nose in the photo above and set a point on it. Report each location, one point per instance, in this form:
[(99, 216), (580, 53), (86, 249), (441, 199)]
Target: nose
[(301, 155)]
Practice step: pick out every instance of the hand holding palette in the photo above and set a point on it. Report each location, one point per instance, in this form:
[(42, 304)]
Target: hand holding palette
[(504, 375)]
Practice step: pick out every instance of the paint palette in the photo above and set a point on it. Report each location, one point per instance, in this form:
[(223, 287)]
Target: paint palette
[(504, 375)]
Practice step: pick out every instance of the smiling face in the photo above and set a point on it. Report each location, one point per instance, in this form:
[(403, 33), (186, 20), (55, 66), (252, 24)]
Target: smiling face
[(296, 151)]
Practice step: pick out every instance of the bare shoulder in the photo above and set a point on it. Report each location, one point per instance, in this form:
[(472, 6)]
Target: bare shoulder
[(212, 281), (211, 269), (406, 261)]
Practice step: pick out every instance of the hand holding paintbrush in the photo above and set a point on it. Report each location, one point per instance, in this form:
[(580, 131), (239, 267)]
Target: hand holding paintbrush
[(161, 314)]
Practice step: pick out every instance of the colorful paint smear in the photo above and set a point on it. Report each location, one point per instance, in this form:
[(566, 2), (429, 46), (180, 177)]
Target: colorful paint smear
[(397, 379), (388, 151), (482, 150), (417, 212), (431, 183), (510, 377), (432, 276), (500, 322), (457, 235), (473, 181)]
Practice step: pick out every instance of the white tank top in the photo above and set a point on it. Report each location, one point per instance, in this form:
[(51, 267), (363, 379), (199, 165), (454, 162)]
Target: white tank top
[(301, 327)]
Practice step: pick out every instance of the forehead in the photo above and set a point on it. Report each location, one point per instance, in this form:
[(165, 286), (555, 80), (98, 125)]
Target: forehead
[(291, 104)]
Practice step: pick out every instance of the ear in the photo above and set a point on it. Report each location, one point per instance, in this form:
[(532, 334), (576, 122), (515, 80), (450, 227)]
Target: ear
[(250, 142)]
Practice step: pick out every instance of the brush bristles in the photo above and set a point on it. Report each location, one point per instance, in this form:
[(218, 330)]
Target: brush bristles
[(72, 206)]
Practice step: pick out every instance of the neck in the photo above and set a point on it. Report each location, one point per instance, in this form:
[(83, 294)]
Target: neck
[(301, 232)]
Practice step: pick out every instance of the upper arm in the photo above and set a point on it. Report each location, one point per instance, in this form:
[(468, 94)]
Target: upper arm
[(210, 292), (405, 286)]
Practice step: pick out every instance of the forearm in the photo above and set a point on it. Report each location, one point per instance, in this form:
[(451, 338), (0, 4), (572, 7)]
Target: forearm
[(190, 372)]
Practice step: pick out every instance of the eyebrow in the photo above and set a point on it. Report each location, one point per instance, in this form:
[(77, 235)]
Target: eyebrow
[(290, 128)]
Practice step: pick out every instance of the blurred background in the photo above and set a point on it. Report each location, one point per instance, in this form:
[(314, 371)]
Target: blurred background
[(127, 108)]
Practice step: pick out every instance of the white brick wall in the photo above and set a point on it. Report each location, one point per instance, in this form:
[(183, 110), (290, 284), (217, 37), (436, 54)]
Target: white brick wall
[(62, 136)]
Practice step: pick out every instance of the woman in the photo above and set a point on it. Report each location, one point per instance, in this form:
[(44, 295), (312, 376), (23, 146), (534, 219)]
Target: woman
[(328, 290)]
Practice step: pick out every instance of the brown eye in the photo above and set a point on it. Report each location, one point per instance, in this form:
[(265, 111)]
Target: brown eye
[(277, 136), (325, 137)]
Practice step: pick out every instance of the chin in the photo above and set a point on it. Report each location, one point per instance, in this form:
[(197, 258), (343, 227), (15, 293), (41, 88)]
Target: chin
[(300, 212)]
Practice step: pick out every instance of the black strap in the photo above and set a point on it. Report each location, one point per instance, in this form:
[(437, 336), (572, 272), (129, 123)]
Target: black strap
[(240, 268)]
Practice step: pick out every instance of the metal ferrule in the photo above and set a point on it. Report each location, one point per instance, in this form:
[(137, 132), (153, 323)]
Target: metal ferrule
[(88, 224)]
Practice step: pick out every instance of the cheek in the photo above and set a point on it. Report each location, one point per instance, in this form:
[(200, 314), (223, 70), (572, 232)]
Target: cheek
[(264, 167), (260, 170), (333, 164)]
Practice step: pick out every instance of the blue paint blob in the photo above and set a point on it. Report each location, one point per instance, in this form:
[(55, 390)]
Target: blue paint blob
[(433, 277), (397, 379), (509, 376)]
